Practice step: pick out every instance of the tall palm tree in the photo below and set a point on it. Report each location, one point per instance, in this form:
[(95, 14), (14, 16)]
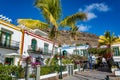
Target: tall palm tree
[(108, 39), (51, 11)]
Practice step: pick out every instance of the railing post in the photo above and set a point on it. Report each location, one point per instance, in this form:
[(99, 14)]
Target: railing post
[(60, 76), (38, 72), (78, 67), (27, 73), (70, 69)]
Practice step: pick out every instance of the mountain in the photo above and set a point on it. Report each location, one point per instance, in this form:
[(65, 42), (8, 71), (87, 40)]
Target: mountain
[(82, 38)]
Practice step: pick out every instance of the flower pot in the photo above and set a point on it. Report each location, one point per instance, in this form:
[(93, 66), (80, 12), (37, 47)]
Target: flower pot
[(113, 70)]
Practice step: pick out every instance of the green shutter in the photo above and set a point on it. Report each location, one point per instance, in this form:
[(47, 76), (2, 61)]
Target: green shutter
[(7, 39), (45, 48), (56, 50), (116, 51), (34, 44)]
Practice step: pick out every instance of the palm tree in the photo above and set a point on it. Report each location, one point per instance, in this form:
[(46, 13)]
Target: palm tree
[(108, 39), (51, 11)]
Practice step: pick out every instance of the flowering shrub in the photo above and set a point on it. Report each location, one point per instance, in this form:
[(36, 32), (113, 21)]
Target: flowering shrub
[(27, 59), (35, 63)]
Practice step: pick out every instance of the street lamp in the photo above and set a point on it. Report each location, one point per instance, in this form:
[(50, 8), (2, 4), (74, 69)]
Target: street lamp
[(60, 76)]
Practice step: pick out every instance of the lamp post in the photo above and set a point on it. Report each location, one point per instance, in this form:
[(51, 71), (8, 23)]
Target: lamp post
[(60, 76)]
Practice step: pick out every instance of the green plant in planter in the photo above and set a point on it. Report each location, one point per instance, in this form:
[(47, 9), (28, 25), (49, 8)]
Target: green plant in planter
[(5, 77), (114, 66), (20, 71), (32, 75)]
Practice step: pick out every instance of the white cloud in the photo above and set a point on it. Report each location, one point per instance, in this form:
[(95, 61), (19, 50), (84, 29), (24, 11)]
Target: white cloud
[(83, 28), (91, 16), (96, 6), (90, 9)]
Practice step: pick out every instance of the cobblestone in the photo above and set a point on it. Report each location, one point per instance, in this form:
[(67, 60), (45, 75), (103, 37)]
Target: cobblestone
[(88, 75)]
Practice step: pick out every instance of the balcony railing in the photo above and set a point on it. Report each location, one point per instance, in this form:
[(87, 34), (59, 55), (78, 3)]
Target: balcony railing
[(11, 45), (38, 51)]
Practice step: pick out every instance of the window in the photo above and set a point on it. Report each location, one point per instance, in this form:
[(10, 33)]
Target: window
[(5, 38), (76, 51), (34, 44), (116, 51), (9, 61), (83, 52), (46, 48), (56, 50)]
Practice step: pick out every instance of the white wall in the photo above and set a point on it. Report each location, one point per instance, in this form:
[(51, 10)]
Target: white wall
[(40, 43), (70, 50), (3, 53), (16, 36)]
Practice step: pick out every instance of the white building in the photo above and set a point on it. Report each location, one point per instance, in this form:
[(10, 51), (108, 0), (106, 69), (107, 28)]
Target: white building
[(37, 45), (80, 50), (10, 38), (116, 52), (16, 42)]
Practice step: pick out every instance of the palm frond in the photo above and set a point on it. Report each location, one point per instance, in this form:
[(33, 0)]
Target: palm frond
[(51, 18), (52, 6), (33, 24), (71, 20), (74, 32), (108, 39)]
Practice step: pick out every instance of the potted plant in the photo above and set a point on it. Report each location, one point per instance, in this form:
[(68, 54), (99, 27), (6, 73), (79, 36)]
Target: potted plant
[(114, 68), (32, 77)]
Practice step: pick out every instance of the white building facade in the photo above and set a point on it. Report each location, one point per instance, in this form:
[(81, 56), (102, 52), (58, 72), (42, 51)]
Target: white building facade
[(116, 52), (80, 50), (38, 46), (16, 42), (10, 38)]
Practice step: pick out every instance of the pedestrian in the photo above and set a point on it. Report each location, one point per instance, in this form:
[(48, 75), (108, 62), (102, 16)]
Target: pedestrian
[(90, 61)]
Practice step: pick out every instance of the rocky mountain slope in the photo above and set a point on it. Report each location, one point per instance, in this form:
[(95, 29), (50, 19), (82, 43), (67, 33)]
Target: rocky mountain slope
[(82, 38)]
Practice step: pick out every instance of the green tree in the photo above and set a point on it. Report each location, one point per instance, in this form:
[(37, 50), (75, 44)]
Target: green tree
[(108, 39), (51, 11)]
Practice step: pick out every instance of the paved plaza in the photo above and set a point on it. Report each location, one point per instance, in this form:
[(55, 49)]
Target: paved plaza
[(88, 75)]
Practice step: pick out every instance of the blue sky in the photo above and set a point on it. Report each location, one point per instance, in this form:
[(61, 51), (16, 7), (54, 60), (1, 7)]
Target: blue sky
[(102, 15)]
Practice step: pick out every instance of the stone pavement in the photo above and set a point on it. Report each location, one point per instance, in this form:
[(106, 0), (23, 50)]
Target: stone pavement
[(88, 75)]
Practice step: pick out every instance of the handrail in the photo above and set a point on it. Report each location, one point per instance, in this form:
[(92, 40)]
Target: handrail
[(11, 44)]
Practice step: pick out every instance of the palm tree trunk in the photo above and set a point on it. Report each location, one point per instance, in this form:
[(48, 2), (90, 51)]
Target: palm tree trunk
[(110, 60), (52, 55), (54, 40), (110, 63)]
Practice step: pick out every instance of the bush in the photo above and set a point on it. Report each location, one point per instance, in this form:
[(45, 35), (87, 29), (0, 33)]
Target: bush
[(18, 71), (5, 77), (45, 70), (51, 69)]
